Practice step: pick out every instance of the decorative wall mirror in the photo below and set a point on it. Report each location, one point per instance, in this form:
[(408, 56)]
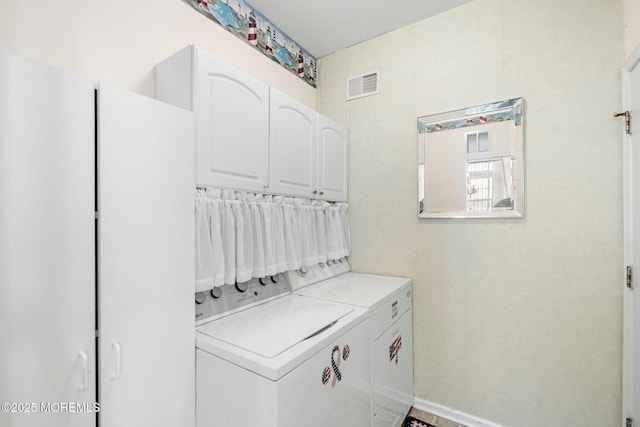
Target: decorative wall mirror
[(471, 162)]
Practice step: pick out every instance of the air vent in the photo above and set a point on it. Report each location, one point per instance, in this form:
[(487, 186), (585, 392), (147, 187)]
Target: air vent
[(363, 85)]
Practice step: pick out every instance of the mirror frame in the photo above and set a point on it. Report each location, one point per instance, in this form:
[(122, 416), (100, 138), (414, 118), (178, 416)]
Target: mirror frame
[(509, 110)]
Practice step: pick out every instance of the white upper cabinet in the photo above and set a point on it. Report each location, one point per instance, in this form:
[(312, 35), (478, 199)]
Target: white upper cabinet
[(333, 160), (232, 118), (252, 137), (309, 153), (293, 147)]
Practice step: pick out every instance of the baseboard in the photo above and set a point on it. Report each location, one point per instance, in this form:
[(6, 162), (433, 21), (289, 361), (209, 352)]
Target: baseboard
[(452, 414)]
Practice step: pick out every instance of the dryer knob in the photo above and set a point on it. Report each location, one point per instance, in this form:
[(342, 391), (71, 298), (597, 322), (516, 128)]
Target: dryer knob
[(275, 278), (200, 297), (216, 293), (242, 286), (263, 281)]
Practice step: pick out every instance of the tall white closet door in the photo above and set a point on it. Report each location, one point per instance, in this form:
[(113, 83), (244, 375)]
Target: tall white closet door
[(146, 253), (47, 276), (292, 150)]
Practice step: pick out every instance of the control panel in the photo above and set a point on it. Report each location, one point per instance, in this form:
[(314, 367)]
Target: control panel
[(306, 276), (229, 299)]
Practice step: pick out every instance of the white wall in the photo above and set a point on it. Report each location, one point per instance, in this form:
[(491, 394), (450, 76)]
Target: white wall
[(517, 321), (120, 41), (631, 26)]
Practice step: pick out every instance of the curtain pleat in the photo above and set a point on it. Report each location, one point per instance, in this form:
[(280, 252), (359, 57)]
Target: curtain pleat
[(244, 235)]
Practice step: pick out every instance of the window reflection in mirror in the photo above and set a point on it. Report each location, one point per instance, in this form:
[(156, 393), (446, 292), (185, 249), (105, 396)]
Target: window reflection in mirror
[(490, 184), (471, 162)]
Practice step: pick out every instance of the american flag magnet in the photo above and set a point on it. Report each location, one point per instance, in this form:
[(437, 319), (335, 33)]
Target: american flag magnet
[(334, 370), (326, 375), (394, 348), (345, 352)]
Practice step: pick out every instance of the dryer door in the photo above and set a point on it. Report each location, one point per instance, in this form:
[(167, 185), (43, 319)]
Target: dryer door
[(392, 366)]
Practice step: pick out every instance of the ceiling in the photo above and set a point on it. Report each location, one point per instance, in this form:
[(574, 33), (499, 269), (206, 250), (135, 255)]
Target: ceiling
[(326, 26)]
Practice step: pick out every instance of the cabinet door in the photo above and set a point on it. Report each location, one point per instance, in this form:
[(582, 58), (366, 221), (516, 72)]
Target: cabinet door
[(47, 256), (292, 146), (333, 160), (232, 126), (146, 253)]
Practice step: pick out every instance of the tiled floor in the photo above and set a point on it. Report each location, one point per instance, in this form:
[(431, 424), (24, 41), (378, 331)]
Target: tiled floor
[(432, 419)]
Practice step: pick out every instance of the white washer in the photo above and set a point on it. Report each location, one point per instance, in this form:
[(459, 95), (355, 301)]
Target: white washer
[(269, 358), (388, 304)]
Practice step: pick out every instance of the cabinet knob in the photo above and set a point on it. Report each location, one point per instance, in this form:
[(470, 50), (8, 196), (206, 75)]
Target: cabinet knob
[(315, 191), (322, 193), (265, 186)]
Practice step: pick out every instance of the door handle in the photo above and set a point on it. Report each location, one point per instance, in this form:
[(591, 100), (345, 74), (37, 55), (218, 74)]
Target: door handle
[(118, 352), (627, 120), (84, 359)]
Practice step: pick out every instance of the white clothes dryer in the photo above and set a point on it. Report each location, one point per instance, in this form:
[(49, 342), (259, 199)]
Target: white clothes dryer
[(269, 358), (389, 308)]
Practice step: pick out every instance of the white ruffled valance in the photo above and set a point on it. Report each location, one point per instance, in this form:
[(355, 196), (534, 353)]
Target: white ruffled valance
[(244, 235)]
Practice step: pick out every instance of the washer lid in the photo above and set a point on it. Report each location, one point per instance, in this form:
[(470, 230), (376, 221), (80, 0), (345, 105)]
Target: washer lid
[(364, 290), (272, 328)]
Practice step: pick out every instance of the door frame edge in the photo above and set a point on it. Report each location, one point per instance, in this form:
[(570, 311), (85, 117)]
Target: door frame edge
[(628, 366)]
